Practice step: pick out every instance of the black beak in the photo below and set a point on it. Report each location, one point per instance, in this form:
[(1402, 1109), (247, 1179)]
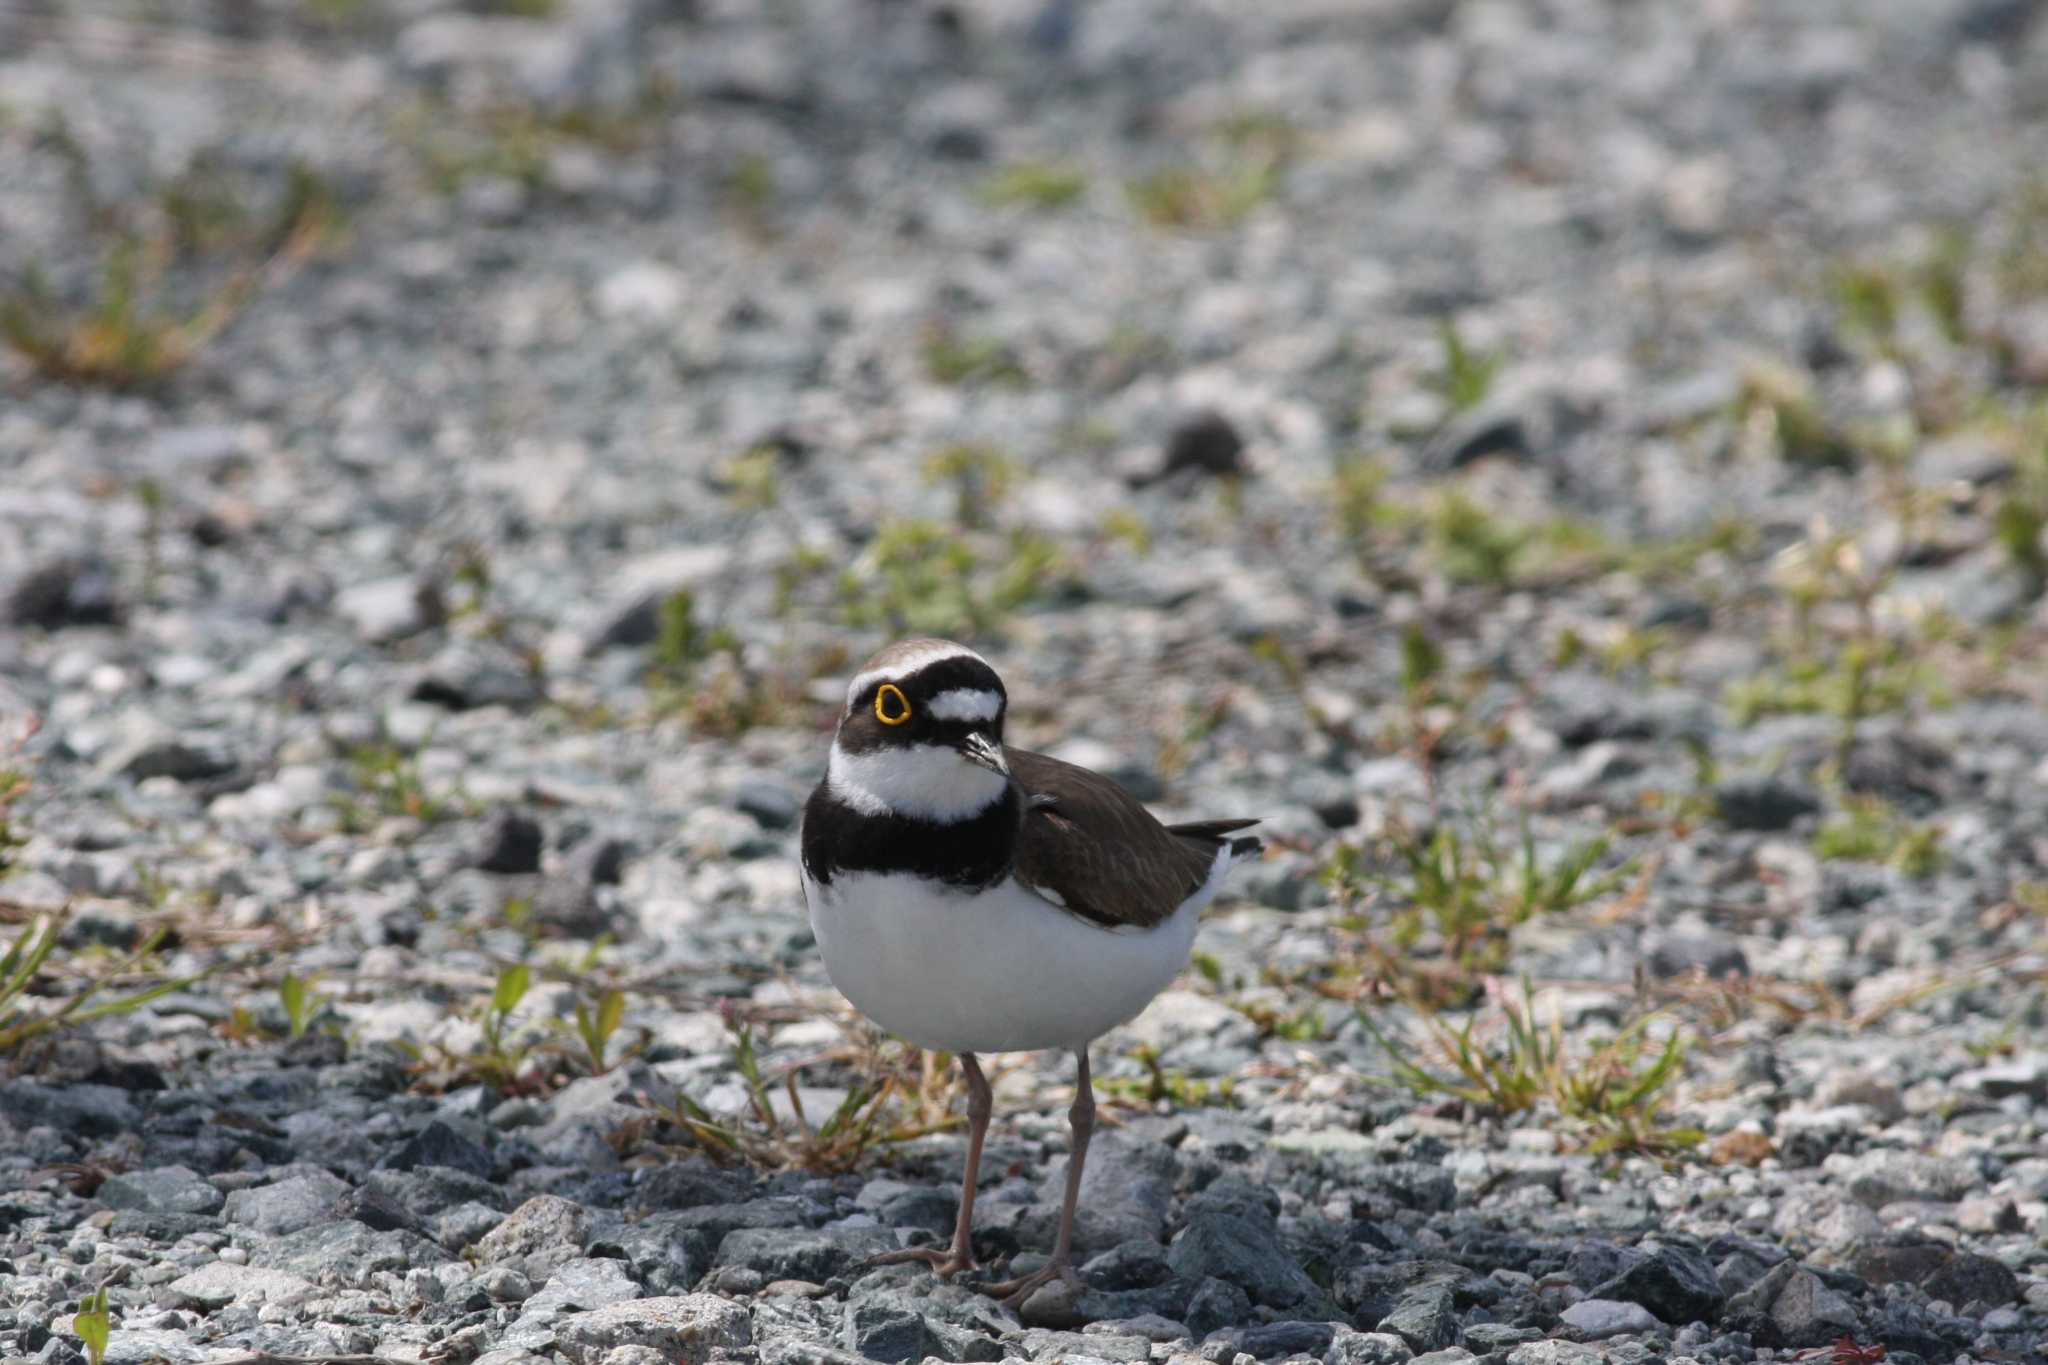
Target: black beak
[(981, 750)]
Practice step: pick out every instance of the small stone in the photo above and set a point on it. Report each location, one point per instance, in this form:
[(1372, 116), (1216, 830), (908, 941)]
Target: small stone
[(1555, 1353), (802, 1254), (215, 1286), (2026, 1076), (1942, 1272), (770, 801), (1764, 804), (1888, 1177), (166, 1189), (1497, 1336), (581, 1284), (686, 1328), (541, 1234), (513, 845), (288, 1205), (388, 609), (1287, 1339), (66, 592), (1424, 1317), (1244, 1253), (1675, 1283), (1598, 1319), (1713, 955), (437, 1144), (1366, 1348), (1205, 442)]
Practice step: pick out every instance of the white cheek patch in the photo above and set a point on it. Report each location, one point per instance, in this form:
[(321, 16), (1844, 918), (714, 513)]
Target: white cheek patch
[(966, 703), (923, 782)]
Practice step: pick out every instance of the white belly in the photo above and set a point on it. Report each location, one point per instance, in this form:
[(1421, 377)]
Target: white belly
[(1002, 971)]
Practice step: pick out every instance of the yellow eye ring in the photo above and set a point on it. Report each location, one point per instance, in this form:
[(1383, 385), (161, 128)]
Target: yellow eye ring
[(886, 695)]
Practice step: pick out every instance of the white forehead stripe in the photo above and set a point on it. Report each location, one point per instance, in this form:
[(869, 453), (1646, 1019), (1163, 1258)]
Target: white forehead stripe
[(965, 703), (924, 782), (907, 663)]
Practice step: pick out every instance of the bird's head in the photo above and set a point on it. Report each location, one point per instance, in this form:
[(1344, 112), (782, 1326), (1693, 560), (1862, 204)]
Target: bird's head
[(922, 734)]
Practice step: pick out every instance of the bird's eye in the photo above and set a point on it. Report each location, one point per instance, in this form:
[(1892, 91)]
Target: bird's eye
[(891, 706)]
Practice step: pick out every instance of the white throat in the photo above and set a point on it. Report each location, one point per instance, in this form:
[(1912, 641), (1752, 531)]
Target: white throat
[(924, 782)]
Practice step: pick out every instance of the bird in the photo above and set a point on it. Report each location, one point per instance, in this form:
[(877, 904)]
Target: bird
[(975, 898)]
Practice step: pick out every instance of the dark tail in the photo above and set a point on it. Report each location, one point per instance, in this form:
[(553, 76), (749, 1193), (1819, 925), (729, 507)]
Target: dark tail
[(1214, 830)]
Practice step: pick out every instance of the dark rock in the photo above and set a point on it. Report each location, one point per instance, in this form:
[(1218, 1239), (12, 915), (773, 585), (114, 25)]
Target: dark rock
[(378, 1211), (1226, 1247), (1424, 1317), (1903, 768), (658, 1259), (296, 1202), (433, 1190), (600, 860), (1136, 1264), (469, 675), (1960, 1277), (166, 1189), (803, 1254), (160, 1227), (927, 1207), (77, 591), (1675, 954), (886, 1326), (1275, 1339), (439, 1145), (1598, 1319), (690, 1184), (770, 801), (637, 623), (1126, 1191), (513, 845), (1596, 1262), (1790, 1306), (1413, 1185), (181, 760), (1205, 442), (1675, 1283), (1215, 1304), (346, 1254), (1764, 804)]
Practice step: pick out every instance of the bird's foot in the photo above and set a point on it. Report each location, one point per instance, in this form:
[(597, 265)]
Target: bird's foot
[(946, 1262), (1014, 1292)]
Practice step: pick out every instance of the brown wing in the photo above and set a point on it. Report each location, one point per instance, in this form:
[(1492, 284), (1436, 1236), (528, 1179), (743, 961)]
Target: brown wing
[(1091, 847)]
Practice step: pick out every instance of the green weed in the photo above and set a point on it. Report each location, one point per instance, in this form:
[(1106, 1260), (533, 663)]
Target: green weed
[(1869, 830), (1465, 375), (133, 332), (1469, 891), (1610, 1093), (301, 1004), (94, 1324), (388, 784), (24, 962), (595, 1026), (899, 1107), (507, 1057), (920, 577), (1163, 1085), (979, 475), (956, 360), (1042, 185)]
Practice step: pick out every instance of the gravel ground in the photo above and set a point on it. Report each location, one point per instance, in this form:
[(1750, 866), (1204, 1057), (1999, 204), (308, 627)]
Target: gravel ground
[(1430, 425)]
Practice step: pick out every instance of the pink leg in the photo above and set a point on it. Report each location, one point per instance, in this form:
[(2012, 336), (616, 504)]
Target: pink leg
[(1061, 1267), (960, 1256)]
